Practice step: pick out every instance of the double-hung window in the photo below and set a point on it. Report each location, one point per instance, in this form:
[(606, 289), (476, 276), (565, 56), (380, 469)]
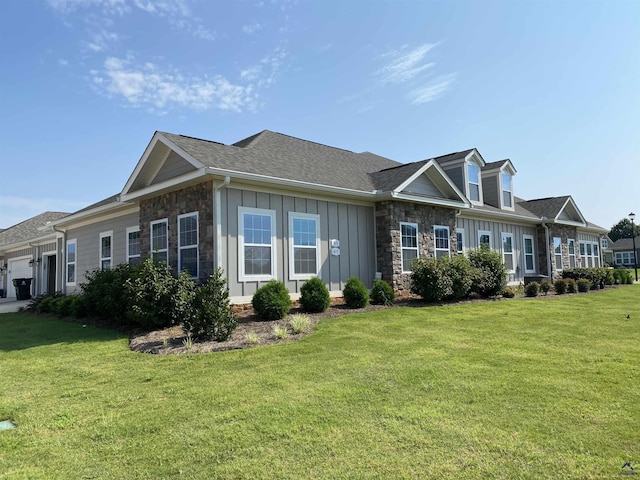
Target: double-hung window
[(409, 239), (160, 241), (441, 241), (71, 261), (484, 239), (529, 254), (460, 240), (507, 252), (557, 251), (188, 243), (571, 246), (304, 251), (257, 241), (106, 250), (507, 190), (133, 245), (473, 176)]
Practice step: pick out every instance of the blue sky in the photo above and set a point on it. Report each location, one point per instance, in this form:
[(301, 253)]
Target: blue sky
[(554, 86)]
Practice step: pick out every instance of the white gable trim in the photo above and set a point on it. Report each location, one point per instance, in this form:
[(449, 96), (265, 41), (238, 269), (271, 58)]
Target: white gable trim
[(581, 223), (427, 166)]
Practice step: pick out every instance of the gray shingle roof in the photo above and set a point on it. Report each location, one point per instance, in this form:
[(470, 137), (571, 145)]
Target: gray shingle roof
[(281, 156), (28, 230), (492, 165), (390, 178), (546, 207), (625, 244)]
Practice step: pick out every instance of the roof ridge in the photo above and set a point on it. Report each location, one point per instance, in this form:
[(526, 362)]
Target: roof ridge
[(192, 138), (317, 143), (401, 165)]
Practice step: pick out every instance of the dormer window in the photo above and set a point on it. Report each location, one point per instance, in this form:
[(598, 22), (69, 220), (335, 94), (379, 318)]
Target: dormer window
[(473, 175), (507, 190)]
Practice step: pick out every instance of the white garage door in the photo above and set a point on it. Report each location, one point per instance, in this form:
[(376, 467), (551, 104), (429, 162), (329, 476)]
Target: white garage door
[(17, 269)]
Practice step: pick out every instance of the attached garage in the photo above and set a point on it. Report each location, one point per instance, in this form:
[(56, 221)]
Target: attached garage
[(18, 268)]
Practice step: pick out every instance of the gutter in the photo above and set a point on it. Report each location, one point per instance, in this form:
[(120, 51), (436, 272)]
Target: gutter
[(62, 261), (217, 221), (546, 236)]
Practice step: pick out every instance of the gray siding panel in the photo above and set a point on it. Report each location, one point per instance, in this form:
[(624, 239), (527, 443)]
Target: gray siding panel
[(456, 175), (174, 165), (490, 193), (423, 186)]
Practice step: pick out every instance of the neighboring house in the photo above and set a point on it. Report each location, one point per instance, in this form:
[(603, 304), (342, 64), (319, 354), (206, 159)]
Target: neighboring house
[(622, 250), (607, 253), (273, 206)]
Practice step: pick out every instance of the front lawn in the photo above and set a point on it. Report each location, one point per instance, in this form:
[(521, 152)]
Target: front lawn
[(529, 388)]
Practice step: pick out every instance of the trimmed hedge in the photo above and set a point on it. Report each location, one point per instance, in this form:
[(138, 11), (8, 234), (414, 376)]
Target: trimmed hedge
[(382, 293), (271, 301), (355, 293), (531, 289), (314, 296)]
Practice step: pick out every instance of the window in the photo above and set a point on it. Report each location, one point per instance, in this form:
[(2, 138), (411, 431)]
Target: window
[(590, 253), (441, 241), (133, 245), (571, 245), (188, 243), (304, 253), (71, 261), (529, 256), (507, 191), (159, 241), (473, 174), (605, 243), (624, 258), (409, 237), (583, 255), (106, 249), (507, 251), (557, 251), (257, 243), (484, 239), (460, 240)]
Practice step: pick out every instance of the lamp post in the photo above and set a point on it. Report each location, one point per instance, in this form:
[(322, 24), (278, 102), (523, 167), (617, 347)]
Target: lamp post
[(632, 217)]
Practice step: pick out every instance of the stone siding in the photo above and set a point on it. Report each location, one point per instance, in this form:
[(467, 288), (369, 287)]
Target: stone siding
[(564, 232), (389, 214), (196, 198)]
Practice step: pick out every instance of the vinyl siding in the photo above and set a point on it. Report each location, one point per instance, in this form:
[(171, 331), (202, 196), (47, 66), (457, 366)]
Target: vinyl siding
[(456, 174), (490, 191), (423, 186), (173, 166)]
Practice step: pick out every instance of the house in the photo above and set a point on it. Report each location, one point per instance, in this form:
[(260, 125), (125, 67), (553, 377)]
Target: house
[(272, 206), (622, 251)]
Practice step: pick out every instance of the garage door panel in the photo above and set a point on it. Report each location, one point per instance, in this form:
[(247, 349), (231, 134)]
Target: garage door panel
[(17, 269)]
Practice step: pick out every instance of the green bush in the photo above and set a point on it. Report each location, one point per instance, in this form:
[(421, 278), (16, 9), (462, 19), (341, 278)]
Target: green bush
[(545, 286), (622, 276), (584, 285), (271, 301), (382, 293), (211, 317), (597, 275), (458, 268), (355, 293), (560, 286), (314, 296), (508, 292), (431, 279), (78, 306), (44, 304), (105, 292), (531, 289), (155, 298), (572, 287), (489, 274), (61, 306)]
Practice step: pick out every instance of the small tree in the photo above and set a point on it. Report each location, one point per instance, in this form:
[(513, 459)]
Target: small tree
[(623, 229)]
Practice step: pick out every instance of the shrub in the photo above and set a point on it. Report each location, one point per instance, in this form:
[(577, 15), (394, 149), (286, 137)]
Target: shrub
[(61, 306), (299, 323), (622, 276), (314, 296), (78, 306), (431, 280), (489, 274), (545, 286), (531, 289), (156, 298), (560, 286), (271, 301), (252, 337), (584, 285), (280, 331), (572, 287), (211, 317), (382, 293), (355, 293), (105, 292), (43, 305), (508, 292), (458, 268)]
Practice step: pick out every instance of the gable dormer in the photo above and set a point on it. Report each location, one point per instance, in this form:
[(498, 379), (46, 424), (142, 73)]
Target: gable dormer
[(465, 170), (497, 184)]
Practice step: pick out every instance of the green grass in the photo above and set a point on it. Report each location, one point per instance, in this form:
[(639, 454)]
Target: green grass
[(533, 388)]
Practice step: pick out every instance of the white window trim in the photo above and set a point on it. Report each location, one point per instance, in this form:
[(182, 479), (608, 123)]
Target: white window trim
[(74, 242), (555, 254), (435, 249), (292, 246), (128, 231), (416, 248), (184, 247), (461, 248), (533, 252), (596, 259), (241, 245), (468, 182), (503, 189), (485, 232), (575, 261), (108, 234), (512, 253), (151, 250)]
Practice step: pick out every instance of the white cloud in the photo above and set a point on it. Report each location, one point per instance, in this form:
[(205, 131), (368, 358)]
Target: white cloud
[(101, 40), (250, 29), (63, 62), (432, 90), (66, 7), (404, 65), (147, 85), (201, 32), (266, 71)]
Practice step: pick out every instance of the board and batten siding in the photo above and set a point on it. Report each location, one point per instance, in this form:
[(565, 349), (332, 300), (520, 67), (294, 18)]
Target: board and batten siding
[(456, 174), (173, 166), (473, 226), (423, 186), (88, 245), (352, 225), (490, 190)]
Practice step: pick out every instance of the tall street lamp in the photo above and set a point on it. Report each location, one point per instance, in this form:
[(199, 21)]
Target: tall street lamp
[(632, 217)]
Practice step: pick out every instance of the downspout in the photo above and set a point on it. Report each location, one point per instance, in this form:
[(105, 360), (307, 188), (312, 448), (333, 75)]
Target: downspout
[(62, 259), (34, 269), (548, 253), (217, 221)]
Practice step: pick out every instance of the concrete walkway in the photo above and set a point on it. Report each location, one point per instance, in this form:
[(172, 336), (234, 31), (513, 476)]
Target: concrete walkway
[(8, 305)]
